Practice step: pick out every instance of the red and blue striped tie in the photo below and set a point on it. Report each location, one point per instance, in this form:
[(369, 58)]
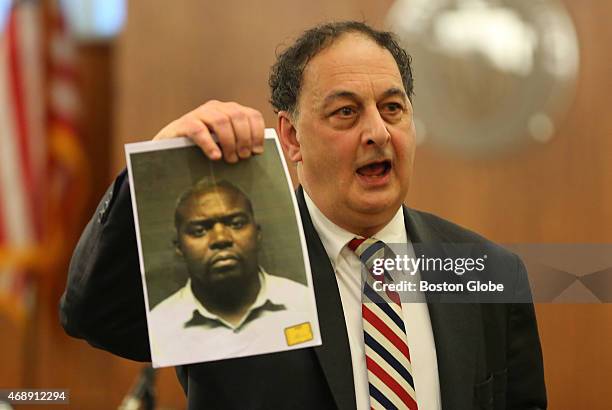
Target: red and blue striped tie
[(387, 356)]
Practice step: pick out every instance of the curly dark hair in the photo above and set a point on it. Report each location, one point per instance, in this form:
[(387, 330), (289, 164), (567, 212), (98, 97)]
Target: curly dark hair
[(286, 74)]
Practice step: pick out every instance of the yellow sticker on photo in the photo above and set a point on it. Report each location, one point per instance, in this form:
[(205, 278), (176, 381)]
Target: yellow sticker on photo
[(298, 334)]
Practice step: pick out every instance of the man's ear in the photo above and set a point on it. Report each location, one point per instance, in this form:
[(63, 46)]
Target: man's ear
[(288, 136)]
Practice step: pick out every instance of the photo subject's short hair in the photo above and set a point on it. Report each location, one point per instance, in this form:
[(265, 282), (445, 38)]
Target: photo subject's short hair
[(286, 74), (205, 185)]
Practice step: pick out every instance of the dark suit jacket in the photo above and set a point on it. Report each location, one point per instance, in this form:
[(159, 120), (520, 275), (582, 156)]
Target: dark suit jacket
[(489, 355)]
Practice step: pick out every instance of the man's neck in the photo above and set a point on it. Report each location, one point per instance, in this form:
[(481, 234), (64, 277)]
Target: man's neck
[(334, 237), (230, 304), (370, 224)]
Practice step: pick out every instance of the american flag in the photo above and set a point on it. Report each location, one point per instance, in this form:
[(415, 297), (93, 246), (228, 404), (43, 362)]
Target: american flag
[(43, 171)]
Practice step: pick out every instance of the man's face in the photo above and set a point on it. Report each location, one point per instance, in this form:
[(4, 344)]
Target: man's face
[(218, 238), (355, 133)]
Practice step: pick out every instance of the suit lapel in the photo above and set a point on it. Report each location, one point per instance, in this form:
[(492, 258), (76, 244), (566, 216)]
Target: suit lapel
[(334, 354), (457, 327)]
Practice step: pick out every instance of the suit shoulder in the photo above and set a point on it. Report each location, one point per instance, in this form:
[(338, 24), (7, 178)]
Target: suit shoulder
[(449, 232)]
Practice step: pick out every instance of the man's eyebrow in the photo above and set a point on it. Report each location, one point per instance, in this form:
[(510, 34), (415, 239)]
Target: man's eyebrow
[(339, 94), (391, 92), (200, 221), (395, 91)]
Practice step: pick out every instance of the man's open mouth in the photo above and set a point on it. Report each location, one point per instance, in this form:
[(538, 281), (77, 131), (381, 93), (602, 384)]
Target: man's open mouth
[(375, 169)]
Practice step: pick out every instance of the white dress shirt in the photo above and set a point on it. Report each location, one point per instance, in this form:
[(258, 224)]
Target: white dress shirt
[(183, 331), (416, 315)]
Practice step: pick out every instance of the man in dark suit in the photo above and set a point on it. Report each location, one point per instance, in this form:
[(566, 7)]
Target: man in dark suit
[(342, 93)]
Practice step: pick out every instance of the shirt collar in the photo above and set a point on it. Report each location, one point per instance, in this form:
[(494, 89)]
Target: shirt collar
[(266, 300), (335, 238)]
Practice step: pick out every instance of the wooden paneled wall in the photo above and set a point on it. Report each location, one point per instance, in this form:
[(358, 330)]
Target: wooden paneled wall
[(174, 56)]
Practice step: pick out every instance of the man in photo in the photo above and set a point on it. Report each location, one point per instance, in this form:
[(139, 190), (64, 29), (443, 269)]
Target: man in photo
[(229, 301)]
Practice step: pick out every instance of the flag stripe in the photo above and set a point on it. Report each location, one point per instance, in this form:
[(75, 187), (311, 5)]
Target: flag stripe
[(33, 66), (22, 161), (5, 132), (17, 94), (16, 223)]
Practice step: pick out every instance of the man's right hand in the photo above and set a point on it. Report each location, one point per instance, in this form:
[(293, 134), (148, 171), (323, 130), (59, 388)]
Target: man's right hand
[(239, 130)]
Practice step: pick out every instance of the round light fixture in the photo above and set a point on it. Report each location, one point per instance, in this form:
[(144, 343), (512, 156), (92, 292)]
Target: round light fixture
[(490, 75)]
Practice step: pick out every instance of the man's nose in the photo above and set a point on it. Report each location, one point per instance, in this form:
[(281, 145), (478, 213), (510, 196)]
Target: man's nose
[(220, 236), (374, 128)]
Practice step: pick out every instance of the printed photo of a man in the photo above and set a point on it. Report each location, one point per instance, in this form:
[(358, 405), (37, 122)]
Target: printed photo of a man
[(206, 237)]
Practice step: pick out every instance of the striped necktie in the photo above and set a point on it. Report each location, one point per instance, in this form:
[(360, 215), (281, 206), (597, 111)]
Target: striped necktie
[(387, 356)]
